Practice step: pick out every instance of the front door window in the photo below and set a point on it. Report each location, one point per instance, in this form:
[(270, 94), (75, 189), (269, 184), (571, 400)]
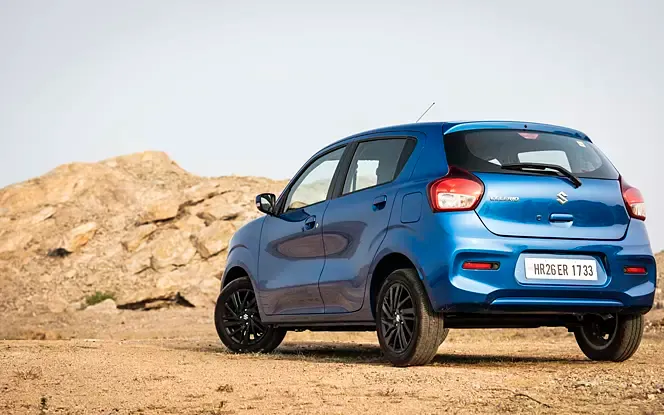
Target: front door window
[(313, 185)]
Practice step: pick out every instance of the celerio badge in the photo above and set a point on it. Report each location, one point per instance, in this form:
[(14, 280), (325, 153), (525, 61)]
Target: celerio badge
[(504, 198)]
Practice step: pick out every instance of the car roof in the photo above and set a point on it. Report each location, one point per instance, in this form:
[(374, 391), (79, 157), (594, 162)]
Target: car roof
[(449, 127)]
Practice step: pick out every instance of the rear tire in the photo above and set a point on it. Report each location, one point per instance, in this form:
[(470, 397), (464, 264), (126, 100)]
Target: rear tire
[(614, 339), (238, 321), (409, 331), (444, 336)]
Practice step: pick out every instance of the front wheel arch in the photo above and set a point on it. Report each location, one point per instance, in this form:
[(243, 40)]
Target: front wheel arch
[(232, 274)]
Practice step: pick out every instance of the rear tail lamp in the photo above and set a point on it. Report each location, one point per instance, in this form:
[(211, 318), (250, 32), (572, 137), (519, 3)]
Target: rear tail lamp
[(634, 202), (458, 190)]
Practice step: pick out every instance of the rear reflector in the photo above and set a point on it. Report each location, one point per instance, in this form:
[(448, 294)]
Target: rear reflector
[(636, 270), (634, 201), (480, 265)]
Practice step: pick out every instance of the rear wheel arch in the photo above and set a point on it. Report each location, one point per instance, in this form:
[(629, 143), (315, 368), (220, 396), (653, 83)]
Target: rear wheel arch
[(385, 266)]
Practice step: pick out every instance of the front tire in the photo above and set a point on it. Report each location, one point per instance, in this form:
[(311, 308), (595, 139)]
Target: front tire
[(409, 331), (615, 338), (238, 321)]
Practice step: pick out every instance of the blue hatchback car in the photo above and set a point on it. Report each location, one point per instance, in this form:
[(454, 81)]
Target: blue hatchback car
[(415, 229)]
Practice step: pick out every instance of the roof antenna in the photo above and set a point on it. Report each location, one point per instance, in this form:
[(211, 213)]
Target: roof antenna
[(424, 113)]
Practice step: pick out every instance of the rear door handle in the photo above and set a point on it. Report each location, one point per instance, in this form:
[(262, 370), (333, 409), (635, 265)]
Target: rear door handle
[(561, 217), (309, 223), (379, 202)]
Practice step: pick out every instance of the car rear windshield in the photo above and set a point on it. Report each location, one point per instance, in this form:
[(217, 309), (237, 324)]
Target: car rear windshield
[(487, 150)]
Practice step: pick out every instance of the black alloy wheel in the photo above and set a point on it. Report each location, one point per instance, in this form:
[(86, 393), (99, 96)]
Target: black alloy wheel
[(241, 320), (600, 331), (613, 337), (238, 321), (409, 330), (398, 318)]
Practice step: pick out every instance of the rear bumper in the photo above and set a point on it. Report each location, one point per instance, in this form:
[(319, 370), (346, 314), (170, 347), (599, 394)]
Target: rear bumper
[(453, 289)]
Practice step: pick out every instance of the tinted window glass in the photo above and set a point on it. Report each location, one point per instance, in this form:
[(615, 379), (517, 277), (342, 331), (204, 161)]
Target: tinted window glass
[(556, 157), (377, 162), (487, 150), (312, 185)]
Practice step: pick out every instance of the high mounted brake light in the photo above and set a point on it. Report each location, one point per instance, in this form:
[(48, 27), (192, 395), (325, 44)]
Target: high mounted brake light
[(459, 190), (633, 198)]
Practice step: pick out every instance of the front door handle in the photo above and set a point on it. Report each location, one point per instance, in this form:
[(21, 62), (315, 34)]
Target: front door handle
[(379, 202), (309, 223)]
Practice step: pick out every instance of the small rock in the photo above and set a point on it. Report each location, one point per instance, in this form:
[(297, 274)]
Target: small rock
[(171, 248), (152, 299), (651, 397), (190, 224), (14, 242), (160, 210), (75, 306), (4, 221), (198, 283), (138, 262), (221, 212), (201, 191), (107, 306), (58, 253), (137, 236), (43, 214), (77, 237), (213, 239), (57, 304), (46, 277)]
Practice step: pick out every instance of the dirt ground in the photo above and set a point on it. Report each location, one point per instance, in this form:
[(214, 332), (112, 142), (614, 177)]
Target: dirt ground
[(170, 361)]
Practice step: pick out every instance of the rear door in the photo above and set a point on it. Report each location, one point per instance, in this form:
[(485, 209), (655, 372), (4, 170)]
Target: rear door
[(541, 204), (355, 221)]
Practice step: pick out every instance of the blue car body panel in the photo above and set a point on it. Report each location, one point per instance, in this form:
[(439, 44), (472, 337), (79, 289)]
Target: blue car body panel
[(354, 227), (595, 210), (324, 276), (290, 262)]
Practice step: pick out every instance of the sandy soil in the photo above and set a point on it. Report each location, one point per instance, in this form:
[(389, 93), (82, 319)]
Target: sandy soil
[(170, 361)]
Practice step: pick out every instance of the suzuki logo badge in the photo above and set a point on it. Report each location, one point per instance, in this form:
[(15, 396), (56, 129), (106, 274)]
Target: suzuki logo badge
[(562, 198)]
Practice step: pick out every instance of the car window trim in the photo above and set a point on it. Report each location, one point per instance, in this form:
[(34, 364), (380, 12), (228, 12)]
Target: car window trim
[(341, 179), (280, 208)]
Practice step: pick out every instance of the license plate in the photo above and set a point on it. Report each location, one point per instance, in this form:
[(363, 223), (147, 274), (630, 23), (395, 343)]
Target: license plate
[(561, 269)]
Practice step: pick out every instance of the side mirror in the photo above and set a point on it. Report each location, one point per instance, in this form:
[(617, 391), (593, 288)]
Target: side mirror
[(266, 202)]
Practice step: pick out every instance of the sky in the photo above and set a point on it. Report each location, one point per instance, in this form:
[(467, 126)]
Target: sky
[(256, 87)]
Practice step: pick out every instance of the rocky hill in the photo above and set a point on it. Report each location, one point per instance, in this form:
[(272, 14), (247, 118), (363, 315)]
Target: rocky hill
[(136, 228)]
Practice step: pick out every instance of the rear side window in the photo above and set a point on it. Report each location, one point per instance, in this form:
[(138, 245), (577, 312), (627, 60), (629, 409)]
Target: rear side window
[(487, 150), (377, 162)]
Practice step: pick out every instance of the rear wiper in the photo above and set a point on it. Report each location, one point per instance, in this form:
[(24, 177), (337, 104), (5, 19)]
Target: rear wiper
[(543, 167)]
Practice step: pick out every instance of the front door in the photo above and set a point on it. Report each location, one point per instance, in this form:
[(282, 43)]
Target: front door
[(356, 220), (292, 254)]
